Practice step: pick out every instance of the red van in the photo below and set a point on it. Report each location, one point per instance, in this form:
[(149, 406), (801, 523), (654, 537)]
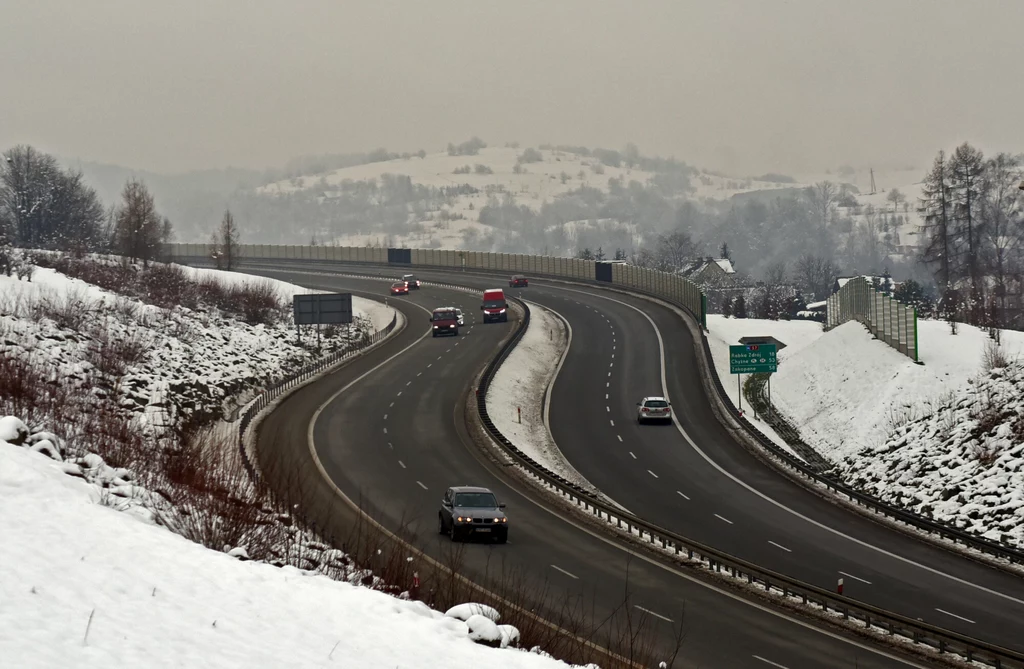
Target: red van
[(445, 321), (494, 307)]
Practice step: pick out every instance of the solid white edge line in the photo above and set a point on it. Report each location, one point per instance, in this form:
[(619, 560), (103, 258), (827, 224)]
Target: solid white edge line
[(774, 664), (570, 575), (780, 505)]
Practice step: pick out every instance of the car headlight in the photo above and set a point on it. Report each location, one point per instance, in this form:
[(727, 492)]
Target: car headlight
[(502, 311), (435, 327), (452, 325), (504, 520)]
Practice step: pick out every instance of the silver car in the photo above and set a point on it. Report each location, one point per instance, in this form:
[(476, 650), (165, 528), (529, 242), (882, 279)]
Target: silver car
[(458, 314), (653, 408)]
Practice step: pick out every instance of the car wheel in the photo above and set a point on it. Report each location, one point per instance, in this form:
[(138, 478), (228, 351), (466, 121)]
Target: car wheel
[(502, 538), (639, 421), (440, 524), (452, 534)]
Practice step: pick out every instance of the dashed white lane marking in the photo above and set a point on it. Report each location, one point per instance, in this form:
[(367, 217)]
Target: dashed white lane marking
[(430, 365), (633, 454), (774, 664), (611, 364), (391, 405), (613, 346), (966, 620), (619, 436), (419, 373), (448, 351), (609, 373), (608, 383), (408, 383), (385, 416), (612, 422), (456, 343), (779, 546), (390, 445), (606, 395), (385, 430), (656, 615), (723, 518), (608, 409), (682, 495), (652, 473), (422, 486), (403, 464), (856, 578), (570, 575), (613, 356), (438, 357), (399, 394)]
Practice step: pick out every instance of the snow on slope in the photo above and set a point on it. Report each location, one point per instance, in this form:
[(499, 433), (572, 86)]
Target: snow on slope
[(725, 332), (84, 585), (963, 463), (520, 383), (845, 390)]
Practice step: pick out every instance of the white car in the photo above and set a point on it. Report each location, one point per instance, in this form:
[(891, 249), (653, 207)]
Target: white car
[(458, 314), (653, 408)]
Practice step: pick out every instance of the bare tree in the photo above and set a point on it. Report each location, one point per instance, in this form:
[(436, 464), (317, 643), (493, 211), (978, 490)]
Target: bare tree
[(226, 242), (675, 250), (1002, 210), (138, 228), (816, 274), (823, 197), (896, 197)]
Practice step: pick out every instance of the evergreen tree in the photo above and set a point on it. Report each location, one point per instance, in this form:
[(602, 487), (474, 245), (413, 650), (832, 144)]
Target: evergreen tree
[(620, 254), (585, 254), (937, 210), (724, 251), (966, 180), (727, 307), (740, 309), (599, 254)]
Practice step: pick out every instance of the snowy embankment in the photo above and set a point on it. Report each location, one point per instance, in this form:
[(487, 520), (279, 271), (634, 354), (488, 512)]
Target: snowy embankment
[(725, 332), (84, 585), (944, 439), (516, 398)]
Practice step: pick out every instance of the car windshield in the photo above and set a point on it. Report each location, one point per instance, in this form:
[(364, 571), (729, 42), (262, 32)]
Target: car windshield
[(476, 500), (657, 404), (444, 315), (494, 304), (408, 277), (400, 284)]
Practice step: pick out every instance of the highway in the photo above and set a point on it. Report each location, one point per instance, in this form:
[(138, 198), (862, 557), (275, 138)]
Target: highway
[(693, 478), (395, 439)]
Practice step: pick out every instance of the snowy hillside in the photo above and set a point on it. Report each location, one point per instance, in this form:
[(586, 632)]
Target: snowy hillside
[(84, 585), (945, 438), (526, 177)]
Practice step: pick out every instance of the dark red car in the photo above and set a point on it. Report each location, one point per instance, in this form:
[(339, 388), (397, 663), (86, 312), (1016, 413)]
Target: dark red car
[(400, 288), (518, 281)]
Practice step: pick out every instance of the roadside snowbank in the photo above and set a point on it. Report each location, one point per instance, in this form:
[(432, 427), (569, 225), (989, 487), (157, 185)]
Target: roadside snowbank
[(86, 586), (522, 383), (961, 463), (846, 391), (725, 332)]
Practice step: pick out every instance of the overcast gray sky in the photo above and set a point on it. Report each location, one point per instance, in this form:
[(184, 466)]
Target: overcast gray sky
[(747, 86)]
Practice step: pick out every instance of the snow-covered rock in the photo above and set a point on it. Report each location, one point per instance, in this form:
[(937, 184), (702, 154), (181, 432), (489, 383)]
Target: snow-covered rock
[(464, 612), (13, 430), (482, 630)]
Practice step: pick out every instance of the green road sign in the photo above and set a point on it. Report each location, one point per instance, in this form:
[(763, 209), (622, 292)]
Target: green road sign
[(753, 359)]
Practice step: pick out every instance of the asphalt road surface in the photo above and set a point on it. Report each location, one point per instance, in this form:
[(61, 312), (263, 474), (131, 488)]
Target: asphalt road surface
[(395, 439)]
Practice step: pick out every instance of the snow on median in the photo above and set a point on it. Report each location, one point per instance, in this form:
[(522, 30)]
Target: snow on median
[(516, 396), (84, 585)]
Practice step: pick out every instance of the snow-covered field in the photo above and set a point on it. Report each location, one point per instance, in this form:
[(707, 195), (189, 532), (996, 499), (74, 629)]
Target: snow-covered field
[(945, 438), (516, 397), (84, 585)]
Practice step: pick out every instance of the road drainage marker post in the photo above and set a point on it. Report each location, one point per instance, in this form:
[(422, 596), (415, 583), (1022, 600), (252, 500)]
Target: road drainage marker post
[(839, 587)]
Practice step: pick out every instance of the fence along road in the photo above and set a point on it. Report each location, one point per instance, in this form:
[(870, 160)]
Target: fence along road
[(885, 318)]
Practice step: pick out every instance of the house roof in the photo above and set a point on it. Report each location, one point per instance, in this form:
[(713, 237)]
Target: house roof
[(817, 305), (726, 265)]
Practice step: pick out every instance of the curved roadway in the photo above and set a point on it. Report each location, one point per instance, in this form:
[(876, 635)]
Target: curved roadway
[(395, 439), (693, 478)]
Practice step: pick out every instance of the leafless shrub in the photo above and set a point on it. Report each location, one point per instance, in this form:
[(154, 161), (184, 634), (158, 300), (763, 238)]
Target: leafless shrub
[(69, 311), (21, 384), (257, 302), (113, 356), (993, 357)]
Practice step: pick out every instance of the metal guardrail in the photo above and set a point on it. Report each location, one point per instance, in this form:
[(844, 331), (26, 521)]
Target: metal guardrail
[(871, 618), (870, 502), (272, 392)]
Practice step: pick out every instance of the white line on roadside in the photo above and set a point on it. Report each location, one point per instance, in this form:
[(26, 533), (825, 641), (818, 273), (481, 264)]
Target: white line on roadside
[(408, 383), (390, 445), (779, 546), (607, 383), (723, 518), (385, 416), (403, 464), (612, 422), (633, 454), (856, 578), (391, 405), (606, 395), (774, 664), (682, 495), (609, 373), (556, 567), (656, 615), (619, 436), (419, 373), (422, 486), (608, 409), (430, 365), (385, 430), (399, 394), (966, 620), (438, 357), (448, 351), (652, 473)]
